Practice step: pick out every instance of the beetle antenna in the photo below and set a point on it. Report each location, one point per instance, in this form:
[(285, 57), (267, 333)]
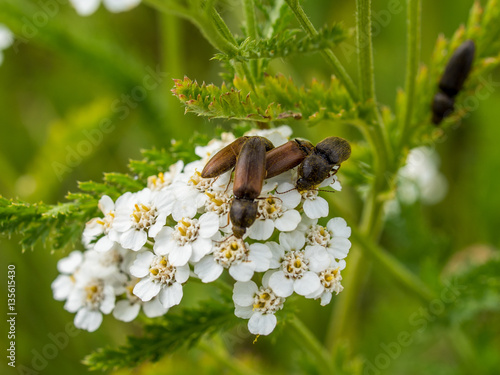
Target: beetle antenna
[(283, 192)]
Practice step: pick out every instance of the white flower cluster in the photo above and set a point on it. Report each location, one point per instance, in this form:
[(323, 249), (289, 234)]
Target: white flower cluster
[(87, 7), (147, 244), (6, 40)]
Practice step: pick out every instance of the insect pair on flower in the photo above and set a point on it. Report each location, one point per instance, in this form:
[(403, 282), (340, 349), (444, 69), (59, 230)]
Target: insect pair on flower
[(255, 159)]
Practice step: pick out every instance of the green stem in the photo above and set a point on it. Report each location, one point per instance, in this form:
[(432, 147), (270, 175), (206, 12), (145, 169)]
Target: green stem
[(235, 366), (391, 266), (412, 59), (366, 76), (464, 348), (250, 18), (171, 57), (328, 54), (365, 51), (308, 340)]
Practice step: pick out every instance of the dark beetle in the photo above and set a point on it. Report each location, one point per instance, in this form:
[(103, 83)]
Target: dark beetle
[(456, 72), (315, 168), (249, 174), (457, 69), (287, 156), (442, 106)]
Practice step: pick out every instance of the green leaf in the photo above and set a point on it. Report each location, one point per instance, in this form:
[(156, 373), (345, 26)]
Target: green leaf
[(277, 99), (164, 336), (479, 291)]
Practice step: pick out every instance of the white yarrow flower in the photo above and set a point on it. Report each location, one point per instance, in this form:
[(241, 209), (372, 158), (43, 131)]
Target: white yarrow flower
[(333, 237), (102, 226), (257, 304), (141, 215), (6, 40), (241, 259), (158, 278), (189, 240), (127, 309), (87, 7)]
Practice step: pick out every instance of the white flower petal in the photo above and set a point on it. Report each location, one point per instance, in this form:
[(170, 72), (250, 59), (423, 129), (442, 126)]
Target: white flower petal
[(75, 300), (146, 289), (243, 293), (243, 271), (244, 312), (70, 263), (201, 247), (85, 7), (326, 297), (209, 224), (288, 221), (154, 308), (260, 324), (108, 303), (289, 195), (171, 295), (261, 256), (280, 284), (62, 287), (179, 255), (319, 260), (316, 208), (307, 284), (140, 267), (117, 6), (292, 241), (154, 229), (338, 227), (6, 37), (277, 252), (339, 247), (104, 244), (125, 311), (261, 229), (208, 270), (106, 204), (182, 273), (87, 319), (133, 239)]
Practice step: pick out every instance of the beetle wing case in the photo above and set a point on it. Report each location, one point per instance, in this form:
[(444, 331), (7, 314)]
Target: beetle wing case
[(250, 168), (286, 156), (224, 160)]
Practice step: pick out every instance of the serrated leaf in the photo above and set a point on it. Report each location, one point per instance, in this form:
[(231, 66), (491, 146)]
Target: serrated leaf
[(164, 336), (277, 99)]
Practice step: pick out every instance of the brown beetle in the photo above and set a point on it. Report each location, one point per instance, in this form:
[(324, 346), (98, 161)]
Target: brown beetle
[(249, 174), (316, 167), (224, 160), (456, 72), (287, 156)]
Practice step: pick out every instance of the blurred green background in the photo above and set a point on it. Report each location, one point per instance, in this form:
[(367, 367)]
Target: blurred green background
[(59, 85)]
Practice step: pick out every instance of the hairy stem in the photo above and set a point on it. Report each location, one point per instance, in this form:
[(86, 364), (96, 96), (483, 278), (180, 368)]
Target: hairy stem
[(338, 68), (252, 31)]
